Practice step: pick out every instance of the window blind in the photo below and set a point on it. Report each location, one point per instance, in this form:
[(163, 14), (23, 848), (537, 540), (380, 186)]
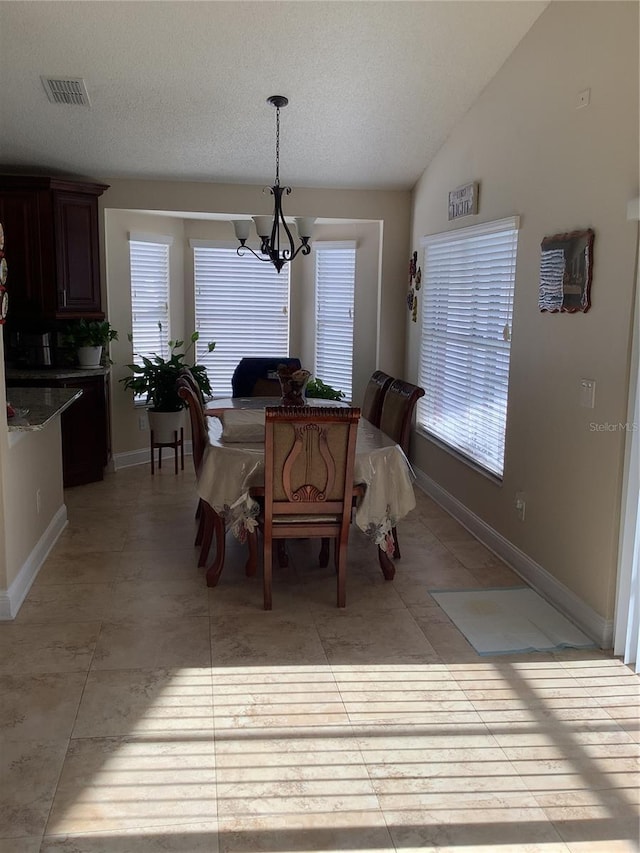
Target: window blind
[(465, 345), (149, 262), (242, 304), (335, 285)]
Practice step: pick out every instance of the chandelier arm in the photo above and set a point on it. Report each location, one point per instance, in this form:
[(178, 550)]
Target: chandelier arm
[(279, 220), (241, 248)]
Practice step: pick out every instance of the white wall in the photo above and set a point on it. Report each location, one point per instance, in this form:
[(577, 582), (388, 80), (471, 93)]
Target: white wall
[(561, 169)]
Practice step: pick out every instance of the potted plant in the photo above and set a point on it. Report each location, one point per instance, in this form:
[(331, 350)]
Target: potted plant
[(156, 378), (89, 338), (318, 389)]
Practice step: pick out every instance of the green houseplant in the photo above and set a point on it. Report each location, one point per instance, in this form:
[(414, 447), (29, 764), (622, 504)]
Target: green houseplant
[(156, 376), (318, 389), (89, 338)]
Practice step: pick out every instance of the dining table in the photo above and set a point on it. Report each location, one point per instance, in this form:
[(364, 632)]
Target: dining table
[(232, 471)]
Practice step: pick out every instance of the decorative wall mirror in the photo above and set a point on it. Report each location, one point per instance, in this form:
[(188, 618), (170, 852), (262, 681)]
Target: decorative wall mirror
[(566, 265)]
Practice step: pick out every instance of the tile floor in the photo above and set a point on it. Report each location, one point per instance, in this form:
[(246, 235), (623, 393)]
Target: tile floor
[(140, 711)]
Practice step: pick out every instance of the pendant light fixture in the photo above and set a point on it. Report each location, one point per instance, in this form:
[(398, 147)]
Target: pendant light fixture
[(276, 239)]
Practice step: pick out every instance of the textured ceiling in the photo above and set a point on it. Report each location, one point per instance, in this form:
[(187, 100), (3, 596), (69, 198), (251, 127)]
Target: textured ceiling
[(178, 89)]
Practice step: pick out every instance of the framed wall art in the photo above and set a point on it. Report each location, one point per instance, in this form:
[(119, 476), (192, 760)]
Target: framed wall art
[(566, 268)]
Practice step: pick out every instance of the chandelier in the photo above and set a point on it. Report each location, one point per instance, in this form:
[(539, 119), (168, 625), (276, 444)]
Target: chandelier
[(276, 239)]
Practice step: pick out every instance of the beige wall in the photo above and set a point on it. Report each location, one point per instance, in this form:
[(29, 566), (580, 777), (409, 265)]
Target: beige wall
[(380, 267), (29, 462), (34, 462), (561, 169)]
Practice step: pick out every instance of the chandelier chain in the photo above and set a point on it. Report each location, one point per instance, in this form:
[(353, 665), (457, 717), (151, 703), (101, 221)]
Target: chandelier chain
[(277, 146)]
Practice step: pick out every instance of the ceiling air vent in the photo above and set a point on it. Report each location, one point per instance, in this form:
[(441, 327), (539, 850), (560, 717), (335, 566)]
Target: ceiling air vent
[(66, 91)]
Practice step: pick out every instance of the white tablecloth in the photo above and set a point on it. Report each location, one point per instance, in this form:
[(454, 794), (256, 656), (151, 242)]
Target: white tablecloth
[(229, 470)]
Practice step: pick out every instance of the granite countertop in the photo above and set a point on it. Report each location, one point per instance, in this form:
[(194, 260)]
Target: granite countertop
[(35, 407), (54, 372)]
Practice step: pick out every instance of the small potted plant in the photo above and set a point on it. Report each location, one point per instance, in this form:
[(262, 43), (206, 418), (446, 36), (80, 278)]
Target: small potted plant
[(89, 338), (156, 378)]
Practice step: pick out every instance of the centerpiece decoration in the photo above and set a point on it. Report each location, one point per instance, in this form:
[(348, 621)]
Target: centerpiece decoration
[(293, 382)]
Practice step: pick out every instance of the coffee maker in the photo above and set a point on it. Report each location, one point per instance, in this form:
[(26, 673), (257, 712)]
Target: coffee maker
[(30, 349)]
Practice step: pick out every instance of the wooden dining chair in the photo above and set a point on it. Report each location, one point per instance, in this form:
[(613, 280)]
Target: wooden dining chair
[(397, 411), (308, 483), (189, 391), (188, 376), (255, 376), (396, 419), (374, 396)]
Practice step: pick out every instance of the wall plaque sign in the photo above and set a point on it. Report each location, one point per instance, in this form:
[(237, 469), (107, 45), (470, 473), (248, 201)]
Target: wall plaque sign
[(463, 201)]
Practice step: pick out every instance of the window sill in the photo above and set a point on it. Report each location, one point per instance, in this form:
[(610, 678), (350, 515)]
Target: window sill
[(460, 457)]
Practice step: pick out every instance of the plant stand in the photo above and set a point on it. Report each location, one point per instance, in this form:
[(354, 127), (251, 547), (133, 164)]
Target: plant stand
[(177, 443)]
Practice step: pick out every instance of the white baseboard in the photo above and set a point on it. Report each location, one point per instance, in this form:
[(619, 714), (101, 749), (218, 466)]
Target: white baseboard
[(140, 457), (566, 601), (12, 598)]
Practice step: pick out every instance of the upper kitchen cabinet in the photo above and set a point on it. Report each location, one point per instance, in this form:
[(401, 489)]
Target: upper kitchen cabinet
[(51, 226)]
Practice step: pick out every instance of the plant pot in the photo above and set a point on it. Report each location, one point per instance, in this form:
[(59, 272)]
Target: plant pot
[(165, 425), (89, 356)]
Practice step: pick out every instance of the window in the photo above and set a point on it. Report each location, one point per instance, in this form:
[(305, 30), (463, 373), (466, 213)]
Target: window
[(242, 304), (466, 338), (149, 261), (335, 283)]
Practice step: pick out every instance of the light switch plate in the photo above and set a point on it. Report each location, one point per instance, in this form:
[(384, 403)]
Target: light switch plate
[(588, 393)]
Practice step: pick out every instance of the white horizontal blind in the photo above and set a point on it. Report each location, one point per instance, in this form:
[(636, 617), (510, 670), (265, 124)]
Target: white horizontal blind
[(242, 304), (465, 346), (335, 284), (149, 295)]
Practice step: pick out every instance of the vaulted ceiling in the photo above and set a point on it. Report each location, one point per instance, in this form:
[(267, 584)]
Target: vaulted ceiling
[(178, 89)]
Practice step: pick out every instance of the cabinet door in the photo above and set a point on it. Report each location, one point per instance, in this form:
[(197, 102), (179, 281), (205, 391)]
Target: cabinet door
[(84, 433), (77, 263), (20, 217)]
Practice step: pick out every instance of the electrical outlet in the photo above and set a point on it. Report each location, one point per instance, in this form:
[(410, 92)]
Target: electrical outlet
[(38, 501), (520, 505)]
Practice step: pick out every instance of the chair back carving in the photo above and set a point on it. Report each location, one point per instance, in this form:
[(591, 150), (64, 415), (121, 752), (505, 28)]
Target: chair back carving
[(374, 396), (397, 411), (199, 431), (309, 456), (307, 438)]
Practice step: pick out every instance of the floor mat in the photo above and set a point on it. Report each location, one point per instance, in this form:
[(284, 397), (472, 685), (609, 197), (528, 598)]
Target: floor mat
[(503, 621)]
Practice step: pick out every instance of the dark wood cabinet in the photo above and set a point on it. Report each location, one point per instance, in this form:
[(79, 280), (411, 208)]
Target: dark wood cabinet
[(20, 217), (52, 227), (85, 444), (86, 439)]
